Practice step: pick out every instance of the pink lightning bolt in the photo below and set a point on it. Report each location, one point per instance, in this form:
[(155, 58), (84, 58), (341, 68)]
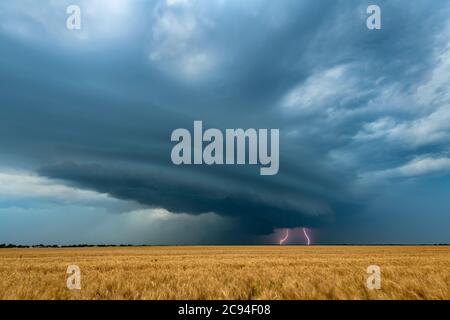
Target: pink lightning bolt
[(306, 235), (285, 237)]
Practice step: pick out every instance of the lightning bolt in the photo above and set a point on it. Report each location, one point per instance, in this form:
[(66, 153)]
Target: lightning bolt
[(285, 237), (306, 236)]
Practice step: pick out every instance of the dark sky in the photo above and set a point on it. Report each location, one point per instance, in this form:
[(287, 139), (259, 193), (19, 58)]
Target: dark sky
[(86, 118)]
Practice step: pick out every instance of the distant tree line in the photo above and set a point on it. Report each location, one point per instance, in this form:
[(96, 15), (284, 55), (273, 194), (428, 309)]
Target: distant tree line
[(3, 245)]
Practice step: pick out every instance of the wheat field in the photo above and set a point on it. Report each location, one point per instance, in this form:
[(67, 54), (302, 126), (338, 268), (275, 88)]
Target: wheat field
[(226, 272)]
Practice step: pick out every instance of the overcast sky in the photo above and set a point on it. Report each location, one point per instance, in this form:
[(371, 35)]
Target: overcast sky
[(86, 117)]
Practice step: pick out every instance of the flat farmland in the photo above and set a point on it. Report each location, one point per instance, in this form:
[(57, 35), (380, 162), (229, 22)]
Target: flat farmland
[(227, 272)]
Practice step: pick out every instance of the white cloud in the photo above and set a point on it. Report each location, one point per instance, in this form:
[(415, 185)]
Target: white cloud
[(432, 128), (376, 129), (436, 90), (325, 90), (417, 167), (22, 185), (423, 166), (177, 45), (428, 106)]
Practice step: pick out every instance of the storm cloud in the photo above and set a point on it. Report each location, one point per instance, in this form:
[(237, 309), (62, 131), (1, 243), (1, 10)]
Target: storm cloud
[(358, 110)]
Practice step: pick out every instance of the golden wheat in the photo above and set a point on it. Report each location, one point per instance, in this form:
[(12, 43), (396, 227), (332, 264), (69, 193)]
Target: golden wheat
[(243, 272)]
